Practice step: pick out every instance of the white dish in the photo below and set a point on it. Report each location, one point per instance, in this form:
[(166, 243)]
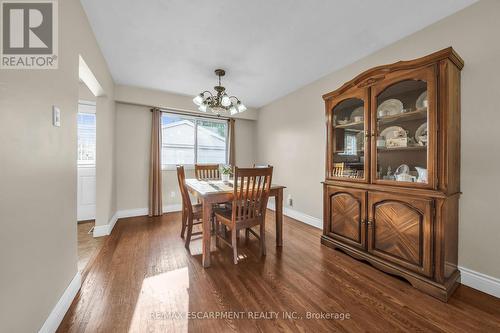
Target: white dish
[(421, 134), (422, 175), (358, 112), (390, 107), (393, 132), (403, 169), (422, 101)]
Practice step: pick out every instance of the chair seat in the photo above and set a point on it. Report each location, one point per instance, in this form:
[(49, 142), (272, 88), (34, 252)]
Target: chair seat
[(224, 215)]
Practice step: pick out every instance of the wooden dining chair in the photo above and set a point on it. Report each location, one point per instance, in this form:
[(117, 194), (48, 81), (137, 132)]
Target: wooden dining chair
[(248, 209), (207, 171), (190, 212)]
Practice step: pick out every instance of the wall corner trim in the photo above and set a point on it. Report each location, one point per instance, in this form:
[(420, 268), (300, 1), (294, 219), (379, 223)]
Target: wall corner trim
[(485, 283), (104, 230), (59, 311), (299, 216)]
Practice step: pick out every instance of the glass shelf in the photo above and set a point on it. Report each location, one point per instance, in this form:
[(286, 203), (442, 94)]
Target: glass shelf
[(409, 149), (356, 126), (405, 116)]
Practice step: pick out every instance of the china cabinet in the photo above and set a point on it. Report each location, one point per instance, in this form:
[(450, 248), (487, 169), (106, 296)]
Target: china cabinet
[(392, 180)]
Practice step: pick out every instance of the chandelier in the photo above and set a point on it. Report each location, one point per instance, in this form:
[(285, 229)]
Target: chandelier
[(219, 102)]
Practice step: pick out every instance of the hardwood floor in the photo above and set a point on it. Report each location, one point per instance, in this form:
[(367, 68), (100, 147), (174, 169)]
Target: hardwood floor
[(144, 280), (88, 245)]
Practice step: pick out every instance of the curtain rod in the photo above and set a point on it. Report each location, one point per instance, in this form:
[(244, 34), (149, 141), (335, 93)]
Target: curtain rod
[(178, 111)]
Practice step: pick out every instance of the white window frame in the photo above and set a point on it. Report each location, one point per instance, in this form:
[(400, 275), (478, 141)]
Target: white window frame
[(195, 120)]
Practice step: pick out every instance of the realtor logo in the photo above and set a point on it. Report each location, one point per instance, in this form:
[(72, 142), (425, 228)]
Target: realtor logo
[(29, 34)]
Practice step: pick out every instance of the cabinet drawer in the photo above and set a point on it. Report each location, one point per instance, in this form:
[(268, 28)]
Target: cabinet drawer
[(345, 215), (400, 230)]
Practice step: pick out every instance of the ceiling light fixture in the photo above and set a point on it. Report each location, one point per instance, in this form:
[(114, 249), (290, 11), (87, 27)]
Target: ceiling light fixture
[(219, 102)]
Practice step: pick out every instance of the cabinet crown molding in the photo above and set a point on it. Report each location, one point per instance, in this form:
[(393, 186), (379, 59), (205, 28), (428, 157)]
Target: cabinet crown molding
[(375, 74)]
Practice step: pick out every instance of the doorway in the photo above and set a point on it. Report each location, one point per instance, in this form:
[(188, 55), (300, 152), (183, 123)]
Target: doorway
[(86, 193), (86, 161)]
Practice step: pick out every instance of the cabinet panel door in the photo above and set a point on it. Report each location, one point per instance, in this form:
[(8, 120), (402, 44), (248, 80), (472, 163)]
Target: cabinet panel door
[(347, 131), (404, 129), (347, 215), (400, 230)]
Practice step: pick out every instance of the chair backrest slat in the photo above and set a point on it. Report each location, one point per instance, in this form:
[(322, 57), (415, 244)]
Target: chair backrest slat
[(207, 171), (186, 200), (251, 193)]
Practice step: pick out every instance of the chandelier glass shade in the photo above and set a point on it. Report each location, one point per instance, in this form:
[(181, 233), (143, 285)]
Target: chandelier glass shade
[(219, 101)]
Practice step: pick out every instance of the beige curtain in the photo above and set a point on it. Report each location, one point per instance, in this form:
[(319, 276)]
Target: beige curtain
[(155, 194), (232, 157)]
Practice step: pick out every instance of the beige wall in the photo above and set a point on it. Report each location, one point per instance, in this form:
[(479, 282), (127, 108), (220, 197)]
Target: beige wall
[(295, 126), (38, 252), (84, 93), (133, 128)]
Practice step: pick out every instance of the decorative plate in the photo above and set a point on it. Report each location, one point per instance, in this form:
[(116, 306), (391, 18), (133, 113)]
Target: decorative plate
[(393, 132), (421, 134), (358, 112), (402, 169), (390, 107), (422, 101)]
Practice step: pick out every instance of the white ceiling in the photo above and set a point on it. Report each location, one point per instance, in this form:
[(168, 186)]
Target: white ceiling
[(268, 47)]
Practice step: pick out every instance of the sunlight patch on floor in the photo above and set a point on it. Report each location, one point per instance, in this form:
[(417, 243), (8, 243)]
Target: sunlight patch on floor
[(163, 303)]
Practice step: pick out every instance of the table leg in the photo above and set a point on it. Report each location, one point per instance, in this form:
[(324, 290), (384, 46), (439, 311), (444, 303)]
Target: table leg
[(279, 217), (207, 214)]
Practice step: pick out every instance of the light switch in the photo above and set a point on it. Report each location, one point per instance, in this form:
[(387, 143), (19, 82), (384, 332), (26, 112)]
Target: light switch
[(56, 116)]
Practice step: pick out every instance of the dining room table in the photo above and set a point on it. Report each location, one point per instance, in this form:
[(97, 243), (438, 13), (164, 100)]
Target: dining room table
[(210, 192)]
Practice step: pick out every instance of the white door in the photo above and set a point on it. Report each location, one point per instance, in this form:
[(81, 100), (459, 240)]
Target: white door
[(86, 161), (86, 193)]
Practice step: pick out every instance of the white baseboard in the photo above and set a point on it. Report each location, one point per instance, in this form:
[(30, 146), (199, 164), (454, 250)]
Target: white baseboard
[(105, 230), (132, 212), (480, 281), (172, 208), (57, 314), (299, 216)]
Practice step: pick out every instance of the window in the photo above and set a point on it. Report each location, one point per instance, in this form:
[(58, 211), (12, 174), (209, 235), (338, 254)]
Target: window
[(189, 140), (350, 144), (86, 138)]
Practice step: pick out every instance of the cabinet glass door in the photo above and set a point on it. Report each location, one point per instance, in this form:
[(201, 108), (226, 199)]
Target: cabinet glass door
[(349, 140), (404, 127)]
